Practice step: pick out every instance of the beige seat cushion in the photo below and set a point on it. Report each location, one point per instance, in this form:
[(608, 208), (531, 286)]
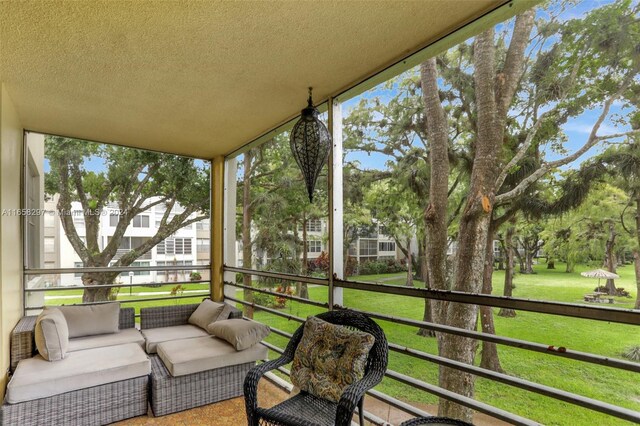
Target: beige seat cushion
[(128, 335), (36, 378), (241, 334), (153, 336), (52, 335), (92, 319), (188, 356), (206, 313)]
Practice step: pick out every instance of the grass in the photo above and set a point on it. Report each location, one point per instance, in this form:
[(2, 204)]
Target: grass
[(593, 381), (607, 339), (75, 296)]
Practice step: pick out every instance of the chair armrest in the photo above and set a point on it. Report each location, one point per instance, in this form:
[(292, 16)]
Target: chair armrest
[(255, 374), (22, 340), (166, 316), (352, 394)]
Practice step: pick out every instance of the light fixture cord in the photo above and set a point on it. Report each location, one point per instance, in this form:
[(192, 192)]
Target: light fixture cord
[(310, 100)]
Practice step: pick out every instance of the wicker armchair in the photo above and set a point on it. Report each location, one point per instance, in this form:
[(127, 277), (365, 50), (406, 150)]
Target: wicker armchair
[(305, 409), (434, 421)]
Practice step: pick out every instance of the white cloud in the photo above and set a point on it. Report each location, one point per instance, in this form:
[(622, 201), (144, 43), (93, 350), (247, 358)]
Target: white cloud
[(585, 128)]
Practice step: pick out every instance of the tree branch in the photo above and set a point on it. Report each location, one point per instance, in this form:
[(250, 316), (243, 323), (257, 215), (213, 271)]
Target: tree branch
[(591, 141)]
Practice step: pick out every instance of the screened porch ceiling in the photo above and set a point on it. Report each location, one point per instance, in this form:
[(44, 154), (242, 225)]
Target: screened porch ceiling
[(200, 78)]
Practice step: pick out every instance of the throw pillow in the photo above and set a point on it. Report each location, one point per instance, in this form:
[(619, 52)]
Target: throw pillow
[(52, 334), (226, 312), (329, 358), (90, 320), (241, 334), (206, 313)]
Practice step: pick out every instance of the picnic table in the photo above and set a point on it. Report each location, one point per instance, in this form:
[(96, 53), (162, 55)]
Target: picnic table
[(598, 297)]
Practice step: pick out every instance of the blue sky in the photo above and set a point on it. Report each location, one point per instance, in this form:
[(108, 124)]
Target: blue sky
[(576, 129)]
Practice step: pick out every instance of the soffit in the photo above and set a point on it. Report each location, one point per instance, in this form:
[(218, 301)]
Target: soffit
[(200, 78)]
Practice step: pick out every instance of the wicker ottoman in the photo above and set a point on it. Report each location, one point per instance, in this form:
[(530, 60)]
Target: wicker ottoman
[(97, 405), (172, 394)]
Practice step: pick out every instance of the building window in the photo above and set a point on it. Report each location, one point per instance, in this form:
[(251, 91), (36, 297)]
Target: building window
[(202, 245), (314, 225), (202, 226), (368, 247), (114, 218), (314, 246), (78, 265), (138, 273), (49, 245), (141, 221), (183, 246), (387, 246), (50, 218), (78, 218), (174, 246)]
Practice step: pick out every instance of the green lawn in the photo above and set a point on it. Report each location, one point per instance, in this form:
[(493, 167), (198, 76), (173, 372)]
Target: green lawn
[(69, 297), (598, 337), (607, 339)]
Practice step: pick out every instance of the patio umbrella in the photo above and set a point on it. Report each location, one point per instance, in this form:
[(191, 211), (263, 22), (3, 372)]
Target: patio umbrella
[(600, 274)]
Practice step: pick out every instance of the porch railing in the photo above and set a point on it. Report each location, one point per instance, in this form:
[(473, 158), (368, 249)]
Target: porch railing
[(623, 316), (35, 293)]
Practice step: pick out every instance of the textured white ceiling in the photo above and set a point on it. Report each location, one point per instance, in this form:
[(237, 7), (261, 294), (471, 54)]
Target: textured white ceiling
[(199, 78)]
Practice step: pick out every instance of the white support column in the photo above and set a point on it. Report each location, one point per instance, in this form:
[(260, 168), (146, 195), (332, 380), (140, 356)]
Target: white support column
[(335, 192), (229, 229)]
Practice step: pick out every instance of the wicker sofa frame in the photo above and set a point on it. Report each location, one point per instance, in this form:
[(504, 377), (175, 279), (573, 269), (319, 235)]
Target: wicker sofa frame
[(23, 344), (172, 394), (96, 405)]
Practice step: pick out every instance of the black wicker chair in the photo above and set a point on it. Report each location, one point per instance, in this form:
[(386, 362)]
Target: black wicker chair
[(434, 421), (305, 409)]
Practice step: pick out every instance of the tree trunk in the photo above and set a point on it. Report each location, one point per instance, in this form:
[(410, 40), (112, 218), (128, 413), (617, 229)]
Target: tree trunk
[(91, 295), (570, 267), (610, 258), (493, 97), (247, 253), (551, 264), (636, 253), (409, 282), (423, 270), (435, 215), (474, 229), (636, 267), (509, 272), (427, 315), (301, 288), (490, 359), (501, 258), (519, 256), (529, 253)]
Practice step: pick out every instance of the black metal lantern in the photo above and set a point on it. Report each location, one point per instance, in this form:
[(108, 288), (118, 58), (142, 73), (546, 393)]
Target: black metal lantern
[(310, 144)]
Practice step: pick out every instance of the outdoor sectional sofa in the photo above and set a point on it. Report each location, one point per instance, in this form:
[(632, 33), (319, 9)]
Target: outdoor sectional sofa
[(196, 369), (103, 379), (171, 363)]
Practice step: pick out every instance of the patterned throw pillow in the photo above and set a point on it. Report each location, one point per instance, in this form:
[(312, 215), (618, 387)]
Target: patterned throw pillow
[(329, 358)]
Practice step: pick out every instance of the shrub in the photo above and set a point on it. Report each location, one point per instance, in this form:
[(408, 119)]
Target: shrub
[(620, 292), (320, 264), (113, 293), (376, 267), (632, 353), (195, 276)]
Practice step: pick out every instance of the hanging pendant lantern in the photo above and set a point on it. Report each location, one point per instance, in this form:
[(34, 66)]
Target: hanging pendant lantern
[(310, 144)]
